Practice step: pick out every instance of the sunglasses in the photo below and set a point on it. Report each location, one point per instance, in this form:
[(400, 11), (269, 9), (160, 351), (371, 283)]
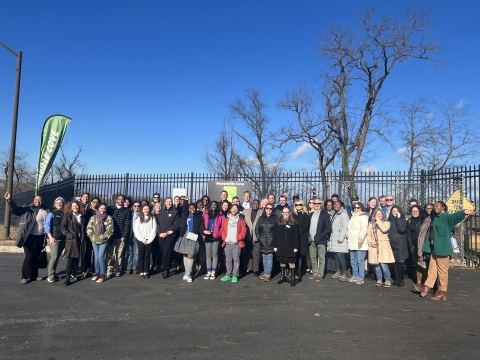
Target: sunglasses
[(317, 203), (357, 207), (268, 208), (389, 199), (298, 204)]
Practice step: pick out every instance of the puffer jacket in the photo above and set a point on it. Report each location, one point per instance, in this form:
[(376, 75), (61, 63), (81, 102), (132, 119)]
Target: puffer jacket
[(264, 230), (27, 221), (398, 237), (357, 229), (339, 230)]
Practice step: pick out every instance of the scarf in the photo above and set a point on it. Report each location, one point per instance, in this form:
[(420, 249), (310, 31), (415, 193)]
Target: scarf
[(100, 224), (421, 240), (375, 235)]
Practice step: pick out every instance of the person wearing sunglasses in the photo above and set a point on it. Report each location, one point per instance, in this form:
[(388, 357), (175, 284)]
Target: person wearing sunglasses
[(264, 231), (389, 202), (319, 233), (300, 215), (286, 244), (356, 235)]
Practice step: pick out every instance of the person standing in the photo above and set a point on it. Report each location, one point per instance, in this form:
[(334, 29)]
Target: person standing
[(234, 231), (121, 225), (253, 246), (165, 220), (264, 231), (56, 240), (300, 215), (100, 230), (132, 247), (286, 244), (414, 223), (190, 227), (30, 235), (338, 244), (145, 230), (379, 250), (246, 200), (73, 228), (319, 233), (211, 236), (356, 235), (398, 241), (437, 241)]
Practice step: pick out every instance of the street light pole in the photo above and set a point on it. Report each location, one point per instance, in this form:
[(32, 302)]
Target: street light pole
[(13, 142)]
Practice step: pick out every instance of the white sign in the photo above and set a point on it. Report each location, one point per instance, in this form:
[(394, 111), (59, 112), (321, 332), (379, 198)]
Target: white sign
[(179, 192)]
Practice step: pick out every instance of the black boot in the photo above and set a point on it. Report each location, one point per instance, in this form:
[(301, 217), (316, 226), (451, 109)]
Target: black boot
[(282, 276), (401, 275), (292, 277), (67, 279)]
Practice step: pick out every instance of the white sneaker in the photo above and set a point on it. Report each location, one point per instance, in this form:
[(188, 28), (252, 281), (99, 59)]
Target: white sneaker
[(185, 276), (352, 279), (207, 276), (212, 276), (189, 278)]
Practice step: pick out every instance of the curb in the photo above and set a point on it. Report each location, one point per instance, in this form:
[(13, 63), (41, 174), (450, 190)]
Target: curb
[(14, 250)]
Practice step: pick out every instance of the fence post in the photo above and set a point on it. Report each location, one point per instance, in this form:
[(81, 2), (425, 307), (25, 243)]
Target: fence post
[(125, 188), (462, 224), (191, 187)]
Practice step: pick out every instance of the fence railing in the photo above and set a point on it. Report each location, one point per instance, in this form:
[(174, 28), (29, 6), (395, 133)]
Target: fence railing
[(48, 192)]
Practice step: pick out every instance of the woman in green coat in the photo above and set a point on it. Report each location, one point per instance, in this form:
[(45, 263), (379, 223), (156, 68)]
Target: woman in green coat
[(436, 238)]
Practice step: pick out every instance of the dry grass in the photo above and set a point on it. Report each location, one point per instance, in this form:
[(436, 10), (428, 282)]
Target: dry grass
[(13, 235)]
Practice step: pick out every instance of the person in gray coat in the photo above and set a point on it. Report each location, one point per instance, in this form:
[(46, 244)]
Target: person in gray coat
[(338, 244)]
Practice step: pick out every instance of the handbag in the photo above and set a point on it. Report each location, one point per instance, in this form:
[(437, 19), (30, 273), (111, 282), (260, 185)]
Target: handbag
[(192, 236), (42, 261), (456, 249)]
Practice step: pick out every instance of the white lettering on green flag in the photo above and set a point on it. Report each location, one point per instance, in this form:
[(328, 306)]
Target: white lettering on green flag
[(53, 132)]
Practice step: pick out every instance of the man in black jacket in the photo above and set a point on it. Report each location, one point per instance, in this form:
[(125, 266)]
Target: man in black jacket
[(320, 230), (121, 230)]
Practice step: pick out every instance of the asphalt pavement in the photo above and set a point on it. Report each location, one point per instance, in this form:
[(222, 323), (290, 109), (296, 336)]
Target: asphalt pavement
[(132, 318)]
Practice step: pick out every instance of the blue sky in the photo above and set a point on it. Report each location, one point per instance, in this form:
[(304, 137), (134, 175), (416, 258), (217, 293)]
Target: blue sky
[(147, 83)]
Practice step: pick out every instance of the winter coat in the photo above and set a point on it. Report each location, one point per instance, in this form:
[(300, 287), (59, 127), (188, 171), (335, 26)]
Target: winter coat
[(285, 239), (264, 232), (241, 231), (413, 229), (324, 228), (380, 253), (27, 221), (165, 219), (338, 243), (443, 225), (92, 230), (217, 227), (54, 219), (75, 245), (398, 238), (303, 221), (251, 226), (357, 229), (122, 221)]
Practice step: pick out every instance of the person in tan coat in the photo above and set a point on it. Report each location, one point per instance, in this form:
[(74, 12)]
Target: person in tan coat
[(379, 251)]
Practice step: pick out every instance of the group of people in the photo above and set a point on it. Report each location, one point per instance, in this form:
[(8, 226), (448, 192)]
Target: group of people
[(377, 241)]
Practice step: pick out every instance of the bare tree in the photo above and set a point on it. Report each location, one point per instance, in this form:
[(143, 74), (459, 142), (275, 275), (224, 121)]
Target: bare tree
[(435, 134), (255, 161), (221, 158), (311, 128), (362, 60), (65, 167), (23, 173), (416, 129)]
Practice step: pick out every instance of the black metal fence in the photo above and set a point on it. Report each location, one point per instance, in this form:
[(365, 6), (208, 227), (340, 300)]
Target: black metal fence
[(48, 192)]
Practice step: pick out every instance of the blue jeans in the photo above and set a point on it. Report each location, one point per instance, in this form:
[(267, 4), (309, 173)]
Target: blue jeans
[(99, 251), (132, 254), (267, 263), (357, 260), (386, 272)]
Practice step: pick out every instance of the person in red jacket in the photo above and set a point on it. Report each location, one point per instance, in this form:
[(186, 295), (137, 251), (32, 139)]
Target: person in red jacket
[(234, 230)]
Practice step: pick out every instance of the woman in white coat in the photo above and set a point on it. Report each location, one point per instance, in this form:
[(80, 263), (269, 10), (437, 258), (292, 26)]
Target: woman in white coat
[(338, 243), (357, 244), (145, 230)]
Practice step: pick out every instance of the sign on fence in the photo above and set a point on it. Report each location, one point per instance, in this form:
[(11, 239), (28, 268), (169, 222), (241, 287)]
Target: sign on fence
[(233, 188), (455, 203), (179, 192)]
